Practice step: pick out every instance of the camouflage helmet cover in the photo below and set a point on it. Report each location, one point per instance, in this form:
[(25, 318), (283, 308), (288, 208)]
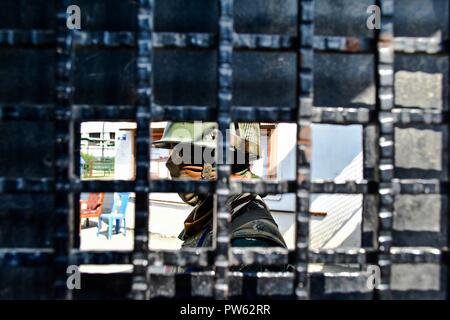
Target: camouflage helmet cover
[(243, 136)]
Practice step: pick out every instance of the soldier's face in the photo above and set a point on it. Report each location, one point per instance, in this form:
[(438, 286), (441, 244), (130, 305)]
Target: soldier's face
[(180, 169)]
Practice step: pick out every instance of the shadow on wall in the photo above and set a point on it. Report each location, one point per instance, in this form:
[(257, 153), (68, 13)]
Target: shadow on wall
[(336, 155)]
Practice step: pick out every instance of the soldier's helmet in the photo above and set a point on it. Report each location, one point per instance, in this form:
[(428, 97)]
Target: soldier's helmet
[(244, 137)]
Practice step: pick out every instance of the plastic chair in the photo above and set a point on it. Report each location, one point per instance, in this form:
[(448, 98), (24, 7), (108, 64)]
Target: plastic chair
[(117, 214), (92, 207)]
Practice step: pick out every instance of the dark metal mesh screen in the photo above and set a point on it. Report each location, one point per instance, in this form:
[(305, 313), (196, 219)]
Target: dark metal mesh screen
[(301, 61)]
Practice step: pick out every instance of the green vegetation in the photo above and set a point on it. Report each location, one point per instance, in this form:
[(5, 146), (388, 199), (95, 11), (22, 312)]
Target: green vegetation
[(97, 167)]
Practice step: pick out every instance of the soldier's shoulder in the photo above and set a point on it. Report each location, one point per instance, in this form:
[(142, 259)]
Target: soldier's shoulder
[(255, 221)]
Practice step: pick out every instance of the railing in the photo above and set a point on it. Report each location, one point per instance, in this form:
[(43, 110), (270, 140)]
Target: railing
[(98, 168)]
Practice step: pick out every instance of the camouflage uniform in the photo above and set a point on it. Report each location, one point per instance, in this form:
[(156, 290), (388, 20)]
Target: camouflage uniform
[(252, 225)]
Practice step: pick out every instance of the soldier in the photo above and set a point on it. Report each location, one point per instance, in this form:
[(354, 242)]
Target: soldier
[(192, 147)]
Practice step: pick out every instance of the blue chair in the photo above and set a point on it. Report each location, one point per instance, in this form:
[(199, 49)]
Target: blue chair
[(116, 214)]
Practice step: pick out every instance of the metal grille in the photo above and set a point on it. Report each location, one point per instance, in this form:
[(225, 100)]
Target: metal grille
[(423, 255)]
